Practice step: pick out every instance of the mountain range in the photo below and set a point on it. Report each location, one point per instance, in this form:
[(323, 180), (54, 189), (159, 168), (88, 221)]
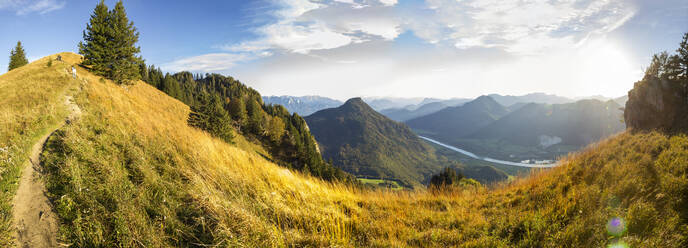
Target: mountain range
[(407, 108), (302, 105), (428, 106), (456, 122), (522, 131)]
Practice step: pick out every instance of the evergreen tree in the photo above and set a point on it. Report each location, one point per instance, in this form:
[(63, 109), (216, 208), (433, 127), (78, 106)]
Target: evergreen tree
[(275, 129), (17, 57), (255, 117), (109, 45), (210, 115), (125, 65), (447, 177), (97, 45), (683, 55), (237, 109)]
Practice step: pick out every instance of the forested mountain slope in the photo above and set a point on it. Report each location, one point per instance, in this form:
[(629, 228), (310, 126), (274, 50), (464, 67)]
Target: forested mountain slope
[(224, 106), (366, 143)]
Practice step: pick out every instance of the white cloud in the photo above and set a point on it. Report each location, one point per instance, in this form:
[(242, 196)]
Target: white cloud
[(23, 7), (304, 38), (389, 2), (295, 8), (520, 27), (302, 26), (206, 63)]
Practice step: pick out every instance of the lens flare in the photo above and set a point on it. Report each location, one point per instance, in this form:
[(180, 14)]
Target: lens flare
[(619, 244), (616, 227)]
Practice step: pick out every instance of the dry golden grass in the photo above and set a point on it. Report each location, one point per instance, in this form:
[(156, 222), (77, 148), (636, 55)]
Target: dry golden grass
[(31, 102), (132, 173)]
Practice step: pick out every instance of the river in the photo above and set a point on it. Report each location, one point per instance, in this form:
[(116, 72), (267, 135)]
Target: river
[(491, 160)]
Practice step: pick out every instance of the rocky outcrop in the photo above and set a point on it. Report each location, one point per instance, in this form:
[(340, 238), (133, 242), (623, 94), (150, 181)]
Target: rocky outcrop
[(657, 104)]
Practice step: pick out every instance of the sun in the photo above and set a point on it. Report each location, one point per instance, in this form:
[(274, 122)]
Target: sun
[(606, 68)]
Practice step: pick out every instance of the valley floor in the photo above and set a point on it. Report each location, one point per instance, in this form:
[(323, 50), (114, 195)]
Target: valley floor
[(486, 159)]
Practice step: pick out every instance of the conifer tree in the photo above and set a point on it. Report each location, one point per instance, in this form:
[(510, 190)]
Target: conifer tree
[(255, 116), (109, 45), (683, 55), (237, 109), (17, 57), (447, 177), (211, 116), (97, 44), (125, 66)]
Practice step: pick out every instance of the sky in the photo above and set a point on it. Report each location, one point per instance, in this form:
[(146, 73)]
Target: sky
[(395, 48)]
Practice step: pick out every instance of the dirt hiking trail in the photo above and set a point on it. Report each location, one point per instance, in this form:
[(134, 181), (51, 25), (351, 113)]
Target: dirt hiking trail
[(36, 223)]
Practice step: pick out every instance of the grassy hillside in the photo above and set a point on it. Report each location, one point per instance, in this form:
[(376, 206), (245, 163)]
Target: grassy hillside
[(31, 102), (131, 173)]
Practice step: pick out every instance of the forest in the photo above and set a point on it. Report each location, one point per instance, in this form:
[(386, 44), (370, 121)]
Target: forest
[(222, 105)]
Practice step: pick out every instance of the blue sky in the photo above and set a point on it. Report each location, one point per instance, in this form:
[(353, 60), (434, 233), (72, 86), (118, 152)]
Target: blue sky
[(346, 48)]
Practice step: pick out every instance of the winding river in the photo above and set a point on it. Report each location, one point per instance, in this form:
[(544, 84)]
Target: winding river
[(492, 160)]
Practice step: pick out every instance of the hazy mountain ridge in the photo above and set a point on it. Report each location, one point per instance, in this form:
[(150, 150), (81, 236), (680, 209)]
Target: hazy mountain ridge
[(455, 122), (406, 114), (380, 103), (302, 105), (577, 124), (428, 106), (508, 100)]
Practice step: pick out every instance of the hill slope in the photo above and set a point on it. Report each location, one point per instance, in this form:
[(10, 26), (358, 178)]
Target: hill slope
[(131, 172), (455, 122), (366, 143)]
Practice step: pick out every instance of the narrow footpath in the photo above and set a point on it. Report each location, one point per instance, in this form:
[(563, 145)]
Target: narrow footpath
[(36, 222)]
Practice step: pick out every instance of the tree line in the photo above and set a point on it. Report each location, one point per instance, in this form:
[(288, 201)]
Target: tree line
[(223, 106)]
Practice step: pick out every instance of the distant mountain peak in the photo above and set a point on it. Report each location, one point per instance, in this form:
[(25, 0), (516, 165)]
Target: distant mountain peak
[(485, 102), (357, 104), (484, 98), (355, 100), (366, 143)]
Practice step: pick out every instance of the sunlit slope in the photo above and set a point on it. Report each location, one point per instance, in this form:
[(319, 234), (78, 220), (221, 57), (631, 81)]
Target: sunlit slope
[(131, 173), (31, 102)]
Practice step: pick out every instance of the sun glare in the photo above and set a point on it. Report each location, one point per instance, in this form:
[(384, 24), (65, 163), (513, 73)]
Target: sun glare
[(605, 66)]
